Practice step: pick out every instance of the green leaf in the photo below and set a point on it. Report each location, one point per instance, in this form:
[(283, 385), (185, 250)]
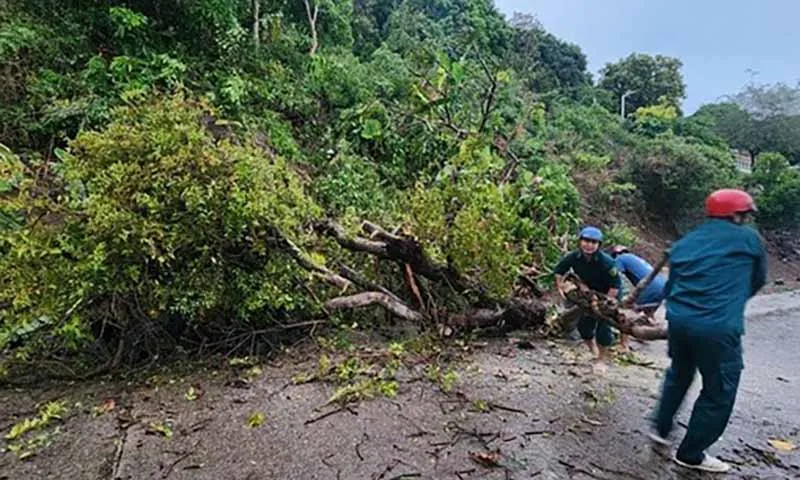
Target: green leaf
[(160, 428), (191, 394), (371, 129), (256, 419), (457, 72)]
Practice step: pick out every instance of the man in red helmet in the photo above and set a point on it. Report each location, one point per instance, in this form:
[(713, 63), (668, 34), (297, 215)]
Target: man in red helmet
[(714, 270)]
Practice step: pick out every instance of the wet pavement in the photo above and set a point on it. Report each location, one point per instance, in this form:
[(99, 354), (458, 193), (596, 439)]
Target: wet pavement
[(531, 413)]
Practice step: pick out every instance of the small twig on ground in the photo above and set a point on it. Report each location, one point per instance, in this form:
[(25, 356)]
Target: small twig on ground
[(539, 432), (497, 406), (465, 472), (279, 390), (200, 425), (420, 431), (576, 469), (118, 453), (364, 438), (328, 414), (169, 469), (324, 460)]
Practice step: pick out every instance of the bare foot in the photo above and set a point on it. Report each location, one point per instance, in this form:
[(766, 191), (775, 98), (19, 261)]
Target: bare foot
[(599, 367), (624, 348)]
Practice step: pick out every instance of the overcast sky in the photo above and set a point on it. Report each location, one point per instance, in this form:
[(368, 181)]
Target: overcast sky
[(717, 40)]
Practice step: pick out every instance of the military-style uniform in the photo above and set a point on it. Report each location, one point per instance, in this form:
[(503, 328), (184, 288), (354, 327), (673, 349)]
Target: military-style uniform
[(714, 270), (598, 272)]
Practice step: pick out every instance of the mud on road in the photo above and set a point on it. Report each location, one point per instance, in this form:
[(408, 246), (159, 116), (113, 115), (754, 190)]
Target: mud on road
[(514, 413)]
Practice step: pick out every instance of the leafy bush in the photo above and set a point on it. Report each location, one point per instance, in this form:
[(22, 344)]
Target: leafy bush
[(655, 119), (777, 187), (549, 204), (350, 185), (675, 177), (619, 234), (488, 229), (155, 219), (467, 219)]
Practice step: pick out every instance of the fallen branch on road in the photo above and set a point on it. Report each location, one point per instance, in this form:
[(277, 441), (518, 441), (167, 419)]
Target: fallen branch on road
[(610, 311)]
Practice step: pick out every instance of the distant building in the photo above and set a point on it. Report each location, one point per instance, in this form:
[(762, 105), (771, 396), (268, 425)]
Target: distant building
[(743, 161)]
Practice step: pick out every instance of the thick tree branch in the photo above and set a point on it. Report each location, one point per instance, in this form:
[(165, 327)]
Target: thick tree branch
[(609, 311), (386, 301), (364, 282), (520, 313), (336, 231)]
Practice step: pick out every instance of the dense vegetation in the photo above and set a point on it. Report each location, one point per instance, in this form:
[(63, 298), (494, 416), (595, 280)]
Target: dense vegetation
[(164, 163)]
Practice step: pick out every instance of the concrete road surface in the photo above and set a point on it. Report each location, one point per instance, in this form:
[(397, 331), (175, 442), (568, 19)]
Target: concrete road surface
[(533, 413)]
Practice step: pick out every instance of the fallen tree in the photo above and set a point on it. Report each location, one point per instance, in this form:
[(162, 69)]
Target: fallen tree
[(612, 312), (523, 310)]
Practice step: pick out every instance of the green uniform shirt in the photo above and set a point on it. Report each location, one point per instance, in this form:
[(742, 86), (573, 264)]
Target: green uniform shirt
[(599, 271)]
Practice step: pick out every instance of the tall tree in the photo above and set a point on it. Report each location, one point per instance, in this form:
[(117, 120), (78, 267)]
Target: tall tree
[(760, 118), (651, 79), (544, 61), (765, 101)]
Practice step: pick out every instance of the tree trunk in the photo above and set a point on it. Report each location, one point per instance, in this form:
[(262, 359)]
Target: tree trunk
[(608, 310), (256, 23), (312, 24), (365, 299)]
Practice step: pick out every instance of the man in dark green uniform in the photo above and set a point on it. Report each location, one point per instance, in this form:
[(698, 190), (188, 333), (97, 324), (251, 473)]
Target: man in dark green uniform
[(713, 272), (599, 272)]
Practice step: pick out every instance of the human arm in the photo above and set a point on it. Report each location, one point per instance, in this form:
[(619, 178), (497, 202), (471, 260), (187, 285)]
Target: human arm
[(615, 279), (759, 275), (561, 268), (560, 286)]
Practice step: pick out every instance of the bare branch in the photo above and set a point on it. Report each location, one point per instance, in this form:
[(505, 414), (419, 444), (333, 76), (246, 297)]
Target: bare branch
[(312, 23), (256, 22), (302, 259), (336, 231), (488, 105), (520, 313), (365, 299), (364, 282)]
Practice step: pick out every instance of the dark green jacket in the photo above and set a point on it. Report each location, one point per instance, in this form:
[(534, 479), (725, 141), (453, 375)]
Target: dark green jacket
[(599, 271), (714, 270)]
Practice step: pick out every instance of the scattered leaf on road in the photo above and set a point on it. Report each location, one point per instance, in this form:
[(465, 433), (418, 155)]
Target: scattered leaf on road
[(104, 408), (160, 428), (782, 445), (256, 420), (191, 395), (487, 459)]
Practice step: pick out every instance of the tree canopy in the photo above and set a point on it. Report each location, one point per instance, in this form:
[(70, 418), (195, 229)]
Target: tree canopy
[(651, 79)]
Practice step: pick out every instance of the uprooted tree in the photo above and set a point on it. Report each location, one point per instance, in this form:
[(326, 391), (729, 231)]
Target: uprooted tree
[(169, 228)]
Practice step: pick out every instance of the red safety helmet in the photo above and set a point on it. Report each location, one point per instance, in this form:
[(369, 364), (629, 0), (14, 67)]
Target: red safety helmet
[(728, 201)]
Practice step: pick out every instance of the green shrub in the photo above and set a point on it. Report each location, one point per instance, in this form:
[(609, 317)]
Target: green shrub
[(777, 187), (350, 185), (155, 219), (466, 218), (619, 234), (674, 177)]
